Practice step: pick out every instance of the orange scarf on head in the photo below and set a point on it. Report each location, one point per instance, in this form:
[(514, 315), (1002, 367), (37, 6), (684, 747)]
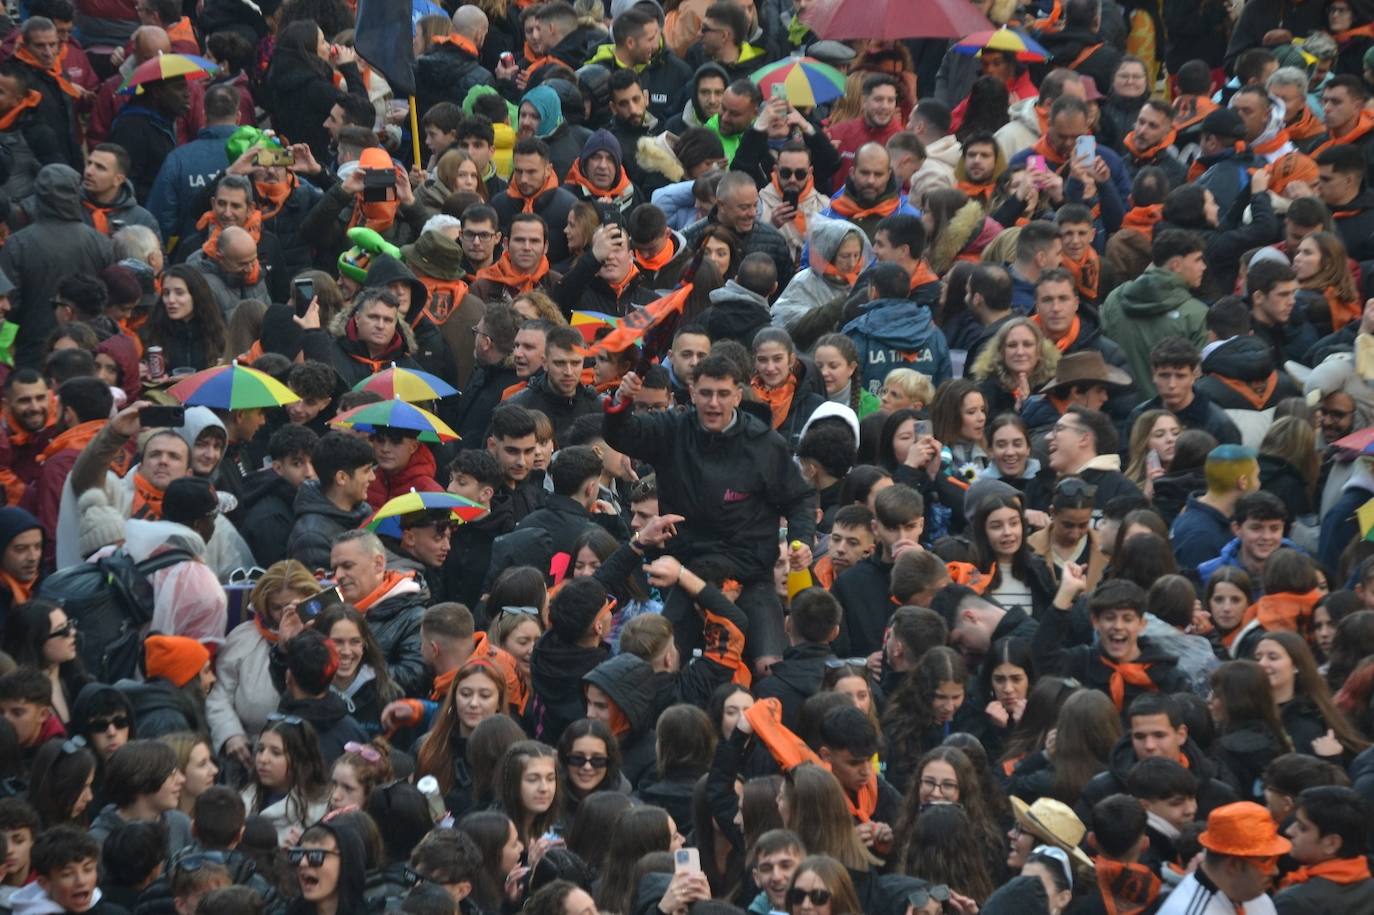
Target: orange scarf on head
[(982, 193), (274, 194), (1363, 125), (798, 218), (624, 282), (923, 275), (1123, 673), (504, 272), (550, 183), (1307, 126), (1149, 152), (1069, 339), (1341, 871), (1143, 219), (1190, 109), (1256, 401), (77, 438), (779, 399), (147, 505), (24, 55), (458, 41), (658, 261), (377, 215), (1127, 889), (19, 590), (576, 177), (1086, 273), (390, 580), (1291, 167), (849, 208), (31, 99)]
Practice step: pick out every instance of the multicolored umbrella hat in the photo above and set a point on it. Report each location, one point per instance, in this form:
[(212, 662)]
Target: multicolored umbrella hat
[(232, 387), (167, 66), (588, 323), (1003, 39), (410, 385), (387, 519), (807, 81), (396, 414)]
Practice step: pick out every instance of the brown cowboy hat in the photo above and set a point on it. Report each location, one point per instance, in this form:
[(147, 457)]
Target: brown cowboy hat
[(1086, 367)]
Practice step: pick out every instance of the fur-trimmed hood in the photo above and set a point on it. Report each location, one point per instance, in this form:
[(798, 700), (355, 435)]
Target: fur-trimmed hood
[(962, 229), (338, 328), (654, 154)]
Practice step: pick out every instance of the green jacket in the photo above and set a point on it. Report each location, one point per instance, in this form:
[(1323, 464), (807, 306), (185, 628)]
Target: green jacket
[(1155, 305)]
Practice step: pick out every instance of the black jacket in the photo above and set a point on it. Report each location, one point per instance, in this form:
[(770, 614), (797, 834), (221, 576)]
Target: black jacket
[(481, 396), (864, 591), (1069, 47), (269, 514), (1052, 655), (446, 74), (318, 522), (735, 314), (560, 410), (1245, 751), (58, 111), (1212, 791), (581, 288), (159, 707), (666, 80), (1355, 223), (628, 681), (148, 135), (334, 727), (1200, 414), (556, 672), (731, 486), (395, 623), (1286, 481), (300, 98), (565, 519), (554, 205), (794, 679), (762, 237), (466, 567)]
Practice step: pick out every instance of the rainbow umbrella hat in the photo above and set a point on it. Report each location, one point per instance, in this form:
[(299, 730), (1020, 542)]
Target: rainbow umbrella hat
[(807, 81), (1003, 39), (589, 322), (232, 387), (410, 385), (396, 414), (167, 66), (387, 519)]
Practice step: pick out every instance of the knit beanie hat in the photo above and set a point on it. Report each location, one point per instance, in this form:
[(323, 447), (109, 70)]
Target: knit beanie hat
[(101, 524), (600, 141), (13, 522), (174, 657)]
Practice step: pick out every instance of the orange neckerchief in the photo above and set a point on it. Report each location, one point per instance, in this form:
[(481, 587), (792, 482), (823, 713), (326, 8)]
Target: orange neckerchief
[(77, 437), (550, 183), (533, 61), (1273, 144), (269, 635), (1359, 31), (462, 42), (968, 575), (504, 272), (620, 724), (1283, 611), (849, 208), (1086, 273), (1341, 871), (274, 194), (1127, 889), (1123, 673), (1343, 311), (1143, 219), (576, 177), (20, 436), (1042, 147), (779, 399), (254, 351), (19, 590), (31, 99), (147, 505), (1149, 152), (619, 286), (207, 222), (1363, 125), (824, 571), (790, 751), (1068, 340), (798, 218), (22, 53), (390, 580), (1256, 401), (833, 272), (1190, 109), (923, 275), (100, 218), (377, 215), (444, 298), (660, 260), (441, 685), (980, 192), (1042, 118), (1307, 126), (1061, 404)]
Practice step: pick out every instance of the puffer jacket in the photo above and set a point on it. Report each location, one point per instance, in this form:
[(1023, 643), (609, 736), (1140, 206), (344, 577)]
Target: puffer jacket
[(318, 522), (447, 73), (350, 357), (243, 695), (429, 348), (666, 78), (29, 144), (299, 99), (735, 314), (762, 238), (628, 681), (818, 284), (1139, 314), (556, 672), (417, 474), (898, 333), (395, 622), (561, 410)]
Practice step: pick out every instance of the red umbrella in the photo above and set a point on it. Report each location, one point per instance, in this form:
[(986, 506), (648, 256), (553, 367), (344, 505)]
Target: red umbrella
[(890, 20)]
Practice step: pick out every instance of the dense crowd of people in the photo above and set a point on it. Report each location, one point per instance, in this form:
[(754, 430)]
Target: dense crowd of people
[(955, 497)]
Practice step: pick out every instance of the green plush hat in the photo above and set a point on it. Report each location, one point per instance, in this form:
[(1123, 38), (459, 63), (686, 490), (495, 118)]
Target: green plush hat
[(353, 263), (244, 139)]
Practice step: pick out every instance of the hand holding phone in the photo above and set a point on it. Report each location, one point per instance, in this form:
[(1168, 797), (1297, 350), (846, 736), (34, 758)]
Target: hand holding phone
[(1085, 149), (687, 859), (302, 294), (158, 417)]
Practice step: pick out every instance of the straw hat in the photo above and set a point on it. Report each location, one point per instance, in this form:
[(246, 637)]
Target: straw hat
[(1053, 822)]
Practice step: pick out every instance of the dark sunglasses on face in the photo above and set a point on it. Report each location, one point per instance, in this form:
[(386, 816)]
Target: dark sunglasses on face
[(578, 761), (314, 857), (68, 628), (787, 174), (101, 725), (797, 895), (919, 897)]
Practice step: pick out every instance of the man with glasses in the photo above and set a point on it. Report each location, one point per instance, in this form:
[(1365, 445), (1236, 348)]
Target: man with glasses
[(480, 236), (233, 272), (1083, 443)]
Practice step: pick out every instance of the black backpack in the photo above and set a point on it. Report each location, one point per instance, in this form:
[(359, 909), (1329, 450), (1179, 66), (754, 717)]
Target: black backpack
[(111, 602)]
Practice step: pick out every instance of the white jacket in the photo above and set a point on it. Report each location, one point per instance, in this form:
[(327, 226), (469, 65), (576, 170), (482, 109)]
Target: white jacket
[(1021, 131), (281, 820), (243, 695), (937, 172)]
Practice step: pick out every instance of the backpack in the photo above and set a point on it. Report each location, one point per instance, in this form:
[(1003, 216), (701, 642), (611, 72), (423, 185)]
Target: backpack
[(111, 602)]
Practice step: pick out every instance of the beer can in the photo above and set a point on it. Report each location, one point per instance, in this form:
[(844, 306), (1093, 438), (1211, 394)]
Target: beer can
[(157, 366)]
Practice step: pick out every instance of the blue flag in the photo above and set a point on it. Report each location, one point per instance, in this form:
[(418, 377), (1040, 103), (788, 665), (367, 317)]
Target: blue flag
[(383, 38)]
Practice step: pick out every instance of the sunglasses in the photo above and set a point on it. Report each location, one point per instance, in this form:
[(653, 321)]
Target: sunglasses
[(120, 722), (67, 629), (787, 174), (1075, 486), (279, 718), (837, 663), (314, 857), (797, 895), (368, 753), (918, 898), (578, 761)]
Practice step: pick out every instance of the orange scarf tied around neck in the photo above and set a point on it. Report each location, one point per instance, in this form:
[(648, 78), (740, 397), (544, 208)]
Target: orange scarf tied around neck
[(619, 286), (1127, 889), (1190, 109), (30, 100), (1341, 871), (1273, 144), (1256, 401), (211, 247), (798, 218), (576, 177), (1363, 125), (19, 590), (1284, 610), (24, 55), (981, 193), (504, 272), (660, 260), (1307, 126), (1143, 219), (1068, 340), (1086, 273), (275, 194), (550, 183), (849, 208), (790, 751), (779, 399), (390, 580), (458, 41), (1042, 147), (1123, 673), (75, 438), (1343, 311), (147, 504), (923, 275), (1144, 153)]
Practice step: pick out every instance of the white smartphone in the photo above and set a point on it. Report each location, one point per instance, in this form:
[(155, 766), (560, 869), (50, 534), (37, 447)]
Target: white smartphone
[(1085, 148), (687, 859)]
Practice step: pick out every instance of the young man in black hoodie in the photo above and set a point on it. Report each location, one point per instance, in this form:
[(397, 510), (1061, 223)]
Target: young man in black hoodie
[(310, 662), (812, 623), (620, 692), (269, 494), (474, 475), (579, 622), (865, 589), (345, 466)]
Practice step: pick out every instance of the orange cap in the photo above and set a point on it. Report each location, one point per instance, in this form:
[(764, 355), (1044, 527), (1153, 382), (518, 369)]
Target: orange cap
[(1245, 830), (174, 657), (375, 158)]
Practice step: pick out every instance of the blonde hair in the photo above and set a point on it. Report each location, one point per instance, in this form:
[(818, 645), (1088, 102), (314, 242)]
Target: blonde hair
[(446, 170), (1140, 444), (430, 26), (544, 306), (244, 328), (182, 743), (990, 363), (286, 575), (916, 386)]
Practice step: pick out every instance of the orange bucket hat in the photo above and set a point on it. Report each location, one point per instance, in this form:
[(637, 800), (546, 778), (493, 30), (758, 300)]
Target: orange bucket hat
[(1244, 830)]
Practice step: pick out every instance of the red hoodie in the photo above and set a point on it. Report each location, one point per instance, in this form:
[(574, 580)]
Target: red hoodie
[(417, 475)]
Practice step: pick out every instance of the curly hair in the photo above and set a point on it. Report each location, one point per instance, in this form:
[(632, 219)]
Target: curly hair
[(991, 363)]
